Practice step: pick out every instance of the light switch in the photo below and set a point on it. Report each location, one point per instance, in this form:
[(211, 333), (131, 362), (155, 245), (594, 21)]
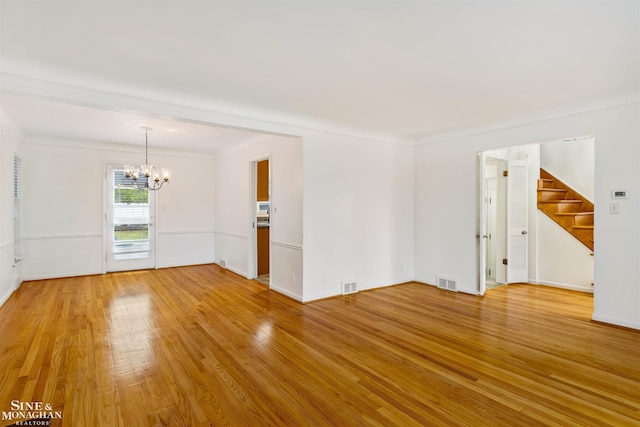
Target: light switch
[(614, 208)]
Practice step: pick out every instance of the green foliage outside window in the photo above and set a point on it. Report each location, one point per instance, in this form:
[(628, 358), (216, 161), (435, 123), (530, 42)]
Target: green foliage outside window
[(130, 195)]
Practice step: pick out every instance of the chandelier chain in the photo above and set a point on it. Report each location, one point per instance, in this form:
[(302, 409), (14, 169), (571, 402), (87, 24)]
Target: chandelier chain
[(152, 180)]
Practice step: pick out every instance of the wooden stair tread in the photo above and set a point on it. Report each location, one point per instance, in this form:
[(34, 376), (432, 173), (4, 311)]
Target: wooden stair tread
[(583, 227), (574, 213), (558, 190), (561, 201)]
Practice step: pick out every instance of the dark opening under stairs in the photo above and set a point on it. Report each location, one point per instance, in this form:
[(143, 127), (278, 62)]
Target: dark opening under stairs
[(566, 207)]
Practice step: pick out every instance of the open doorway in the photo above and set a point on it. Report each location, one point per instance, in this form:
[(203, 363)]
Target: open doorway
[(495, 206), (262, 222), (505, 213), (518, 241)]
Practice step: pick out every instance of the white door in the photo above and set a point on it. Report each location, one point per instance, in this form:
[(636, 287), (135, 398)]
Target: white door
[(129, 219), (517, 222), (491, 201)]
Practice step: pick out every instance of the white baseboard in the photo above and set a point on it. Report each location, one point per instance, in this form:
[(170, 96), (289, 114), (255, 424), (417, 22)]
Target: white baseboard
[(6, 296), (287, 293), (234, 270), (569, 286), (71, 274), (613, 321)]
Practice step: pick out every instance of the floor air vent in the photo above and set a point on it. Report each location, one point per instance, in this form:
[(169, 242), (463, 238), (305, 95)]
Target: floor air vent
[(350, 287), (448, 283)]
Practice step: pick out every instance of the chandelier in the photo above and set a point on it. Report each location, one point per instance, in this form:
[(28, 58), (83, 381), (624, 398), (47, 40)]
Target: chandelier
[(147, 177)]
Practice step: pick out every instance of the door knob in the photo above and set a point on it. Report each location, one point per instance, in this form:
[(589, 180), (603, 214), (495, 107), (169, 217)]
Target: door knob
[(524, 231)]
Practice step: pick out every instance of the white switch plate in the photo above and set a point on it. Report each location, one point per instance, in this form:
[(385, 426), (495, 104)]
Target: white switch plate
[(614, 208)]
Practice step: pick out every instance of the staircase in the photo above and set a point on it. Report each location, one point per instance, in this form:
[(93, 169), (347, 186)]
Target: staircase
[(566, 207)]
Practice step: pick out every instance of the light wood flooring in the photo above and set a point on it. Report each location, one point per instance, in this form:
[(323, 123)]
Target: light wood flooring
[(200, 346)]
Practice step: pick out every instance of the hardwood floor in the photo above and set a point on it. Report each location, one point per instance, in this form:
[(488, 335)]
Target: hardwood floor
[(202, 346)]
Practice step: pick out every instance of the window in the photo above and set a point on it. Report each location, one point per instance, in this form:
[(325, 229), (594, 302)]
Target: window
[(131, 218)]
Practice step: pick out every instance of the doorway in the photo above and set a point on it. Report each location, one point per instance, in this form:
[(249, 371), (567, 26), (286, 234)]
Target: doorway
[(262, 220), (494, 236), (129, 232), (495, 214), (537, 248), (503, 216)]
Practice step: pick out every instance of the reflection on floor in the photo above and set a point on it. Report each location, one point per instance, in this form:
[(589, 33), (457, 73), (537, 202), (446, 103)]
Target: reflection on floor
[(264, 279)]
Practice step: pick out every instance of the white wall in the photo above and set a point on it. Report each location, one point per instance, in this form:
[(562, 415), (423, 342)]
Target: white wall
[(9, 145), (564, 261), (186, 210), (445, 237), (234, 214), (63, 207), (358, 213), (572, 162)]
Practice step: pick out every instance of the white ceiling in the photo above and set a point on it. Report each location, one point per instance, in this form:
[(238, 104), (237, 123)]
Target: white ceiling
[(393, 67)]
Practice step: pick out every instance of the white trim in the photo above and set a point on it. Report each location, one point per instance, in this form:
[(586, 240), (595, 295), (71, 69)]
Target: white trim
[(286, 245), (6, 296), (170, 233), (569, 286), (614, 321), (153, 222), (287, 293), (72, 274), (470, 292), (62, 236), (567, 111), (234, 270), (6, 244), (106, 165), (228, 233), (114, 147), (191, 109)]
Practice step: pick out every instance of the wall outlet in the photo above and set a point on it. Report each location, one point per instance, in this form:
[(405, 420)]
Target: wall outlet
[(293, 278), (223, 263)]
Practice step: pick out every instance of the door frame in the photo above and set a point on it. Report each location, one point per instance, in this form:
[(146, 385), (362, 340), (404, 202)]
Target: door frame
[(107, 167), (252, 246), (481, 225), (500, 238)]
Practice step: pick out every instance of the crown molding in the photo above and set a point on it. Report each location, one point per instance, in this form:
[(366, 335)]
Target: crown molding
[(551, 114), (111, 146), (186, 108)]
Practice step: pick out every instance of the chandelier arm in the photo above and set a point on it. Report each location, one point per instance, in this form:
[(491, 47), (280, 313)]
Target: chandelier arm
[(156, 186)]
